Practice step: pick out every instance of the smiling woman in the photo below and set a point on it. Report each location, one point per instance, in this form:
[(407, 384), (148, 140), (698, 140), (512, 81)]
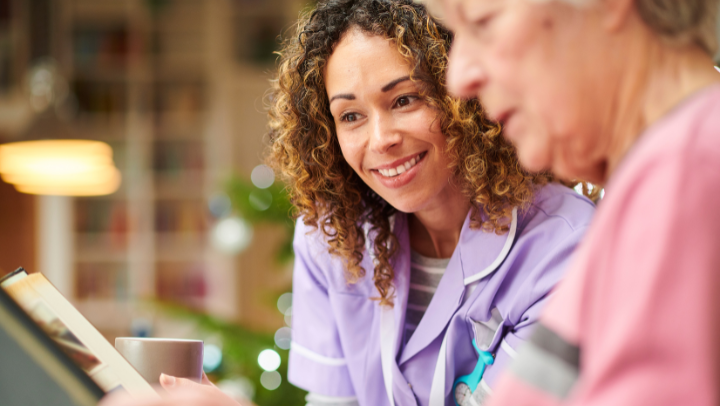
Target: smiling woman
[(387, 133), (393, 176), (310, 134)]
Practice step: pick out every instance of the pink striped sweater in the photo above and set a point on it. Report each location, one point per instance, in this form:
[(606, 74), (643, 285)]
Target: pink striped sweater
[(637, 319)]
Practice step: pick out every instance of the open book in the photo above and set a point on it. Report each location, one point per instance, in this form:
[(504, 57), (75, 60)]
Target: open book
[(73, 333), (33, 369)]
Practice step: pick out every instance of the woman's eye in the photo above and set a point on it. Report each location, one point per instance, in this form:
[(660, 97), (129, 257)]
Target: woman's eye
[(404, 100), (349, 117)]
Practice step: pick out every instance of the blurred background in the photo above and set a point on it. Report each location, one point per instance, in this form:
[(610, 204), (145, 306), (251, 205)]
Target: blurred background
[(160, 220), (186, 234)]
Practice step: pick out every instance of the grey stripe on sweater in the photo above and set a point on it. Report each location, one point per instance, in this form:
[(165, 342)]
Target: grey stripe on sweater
[(425, 275)]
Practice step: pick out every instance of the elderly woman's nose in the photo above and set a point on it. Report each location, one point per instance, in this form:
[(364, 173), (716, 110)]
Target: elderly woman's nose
[(384, 135), (465, 75)]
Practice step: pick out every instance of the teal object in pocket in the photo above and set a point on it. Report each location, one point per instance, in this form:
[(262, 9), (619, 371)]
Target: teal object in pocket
[(472, 380)]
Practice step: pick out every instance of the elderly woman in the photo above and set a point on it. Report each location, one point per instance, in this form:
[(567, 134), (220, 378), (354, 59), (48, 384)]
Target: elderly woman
[(622, 93), (424, 251)]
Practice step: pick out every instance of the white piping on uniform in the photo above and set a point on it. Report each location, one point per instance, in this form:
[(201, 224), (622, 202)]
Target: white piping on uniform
[(500, 258), (330, 399), (387, 345), (508, 349), (321, 359)]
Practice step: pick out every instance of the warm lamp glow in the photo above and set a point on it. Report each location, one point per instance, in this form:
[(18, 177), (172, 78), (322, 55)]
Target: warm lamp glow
[(60, 167)]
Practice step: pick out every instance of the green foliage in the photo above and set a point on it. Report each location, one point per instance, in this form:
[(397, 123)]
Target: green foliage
[(241, 348), (271, 205)]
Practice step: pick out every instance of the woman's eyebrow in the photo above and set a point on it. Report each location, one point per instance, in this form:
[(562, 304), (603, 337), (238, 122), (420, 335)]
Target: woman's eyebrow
[(386, 88), (392, 84), (346, 96)]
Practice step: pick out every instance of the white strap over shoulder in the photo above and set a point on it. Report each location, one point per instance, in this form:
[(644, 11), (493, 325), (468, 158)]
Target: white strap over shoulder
[(387, 344), (437, 390), (387, 324)]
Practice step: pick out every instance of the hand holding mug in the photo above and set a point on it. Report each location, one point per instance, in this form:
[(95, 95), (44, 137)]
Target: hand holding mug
[(178, 392)]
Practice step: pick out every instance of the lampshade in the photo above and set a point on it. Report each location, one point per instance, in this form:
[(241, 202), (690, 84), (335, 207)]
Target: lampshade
[(60, 167)]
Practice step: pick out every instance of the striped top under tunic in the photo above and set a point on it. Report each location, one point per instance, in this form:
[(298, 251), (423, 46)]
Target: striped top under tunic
[(425, 275)]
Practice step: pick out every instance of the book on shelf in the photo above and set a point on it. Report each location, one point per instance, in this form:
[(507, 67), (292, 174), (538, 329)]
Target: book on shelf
[(73, 333), (104, 280)]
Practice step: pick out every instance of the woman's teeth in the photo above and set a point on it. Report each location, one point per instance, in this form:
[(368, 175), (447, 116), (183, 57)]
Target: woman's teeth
[(392, 172)]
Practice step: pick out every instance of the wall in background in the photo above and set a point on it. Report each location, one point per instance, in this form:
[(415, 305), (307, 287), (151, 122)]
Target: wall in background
[(17, 229)]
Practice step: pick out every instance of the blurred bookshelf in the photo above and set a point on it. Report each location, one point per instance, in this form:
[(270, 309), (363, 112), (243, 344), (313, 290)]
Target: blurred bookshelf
[(139, 72), (177, 88)]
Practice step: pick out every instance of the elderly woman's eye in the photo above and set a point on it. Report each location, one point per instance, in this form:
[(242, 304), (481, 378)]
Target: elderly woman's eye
[(483, 21)]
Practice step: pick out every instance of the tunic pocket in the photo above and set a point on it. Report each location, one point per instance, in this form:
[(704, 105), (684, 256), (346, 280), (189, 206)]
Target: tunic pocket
[(488, 334)]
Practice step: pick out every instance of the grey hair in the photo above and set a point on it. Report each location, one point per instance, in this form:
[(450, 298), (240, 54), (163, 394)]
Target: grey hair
[(680, 22), (683, 21)]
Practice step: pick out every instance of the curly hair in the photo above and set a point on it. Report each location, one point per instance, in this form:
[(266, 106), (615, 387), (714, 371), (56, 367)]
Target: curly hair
[(304, 149)]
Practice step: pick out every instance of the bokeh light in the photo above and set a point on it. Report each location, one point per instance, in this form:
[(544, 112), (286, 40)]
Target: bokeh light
[(212, 357), (219, 205), (269, 360), (262, 176), (284, 302), (260, 199), (288, 316), (231, 235), (283, 338), (270, 380)]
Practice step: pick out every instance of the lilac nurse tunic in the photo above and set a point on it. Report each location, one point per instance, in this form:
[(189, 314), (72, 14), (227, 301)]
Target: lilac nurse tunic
[(346, 345)]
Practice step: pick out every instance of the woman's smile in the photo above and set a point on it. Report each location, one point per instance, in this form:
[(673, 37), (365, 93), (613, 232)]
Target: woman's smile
[(400, 172)]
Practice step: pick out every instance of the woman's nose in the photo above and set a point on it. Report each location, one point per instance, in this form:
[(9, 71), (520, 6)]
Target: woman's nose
[(385, 134), (465, 75)]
